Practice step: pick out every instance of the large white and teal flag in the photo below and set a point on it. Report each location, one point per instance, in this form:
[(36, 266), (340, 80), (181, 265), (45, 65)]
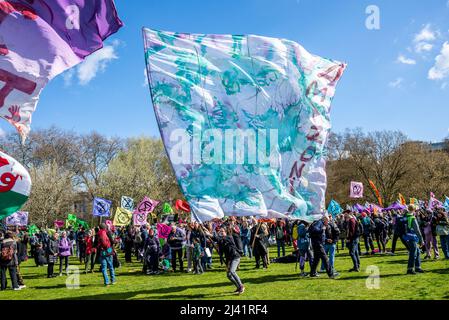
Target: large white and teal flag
[(245, 121)]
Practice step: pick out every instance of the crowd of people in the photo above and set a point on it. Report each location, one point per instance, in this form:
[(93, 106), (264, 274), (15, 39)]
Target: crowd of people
[(190, 246)]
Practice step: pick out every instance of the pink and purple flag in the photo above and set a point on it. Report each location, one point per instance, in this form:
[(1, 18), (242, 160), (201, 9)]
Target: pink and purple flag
[(19, 218), (59, 224), (140, 219), (147, 205), (41, 39), (356, 190), (163, 230)]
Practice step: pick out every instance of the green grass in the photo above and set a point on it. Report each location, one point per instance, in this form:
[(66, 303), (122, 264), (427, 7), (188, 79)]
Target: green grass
[(279, 281)]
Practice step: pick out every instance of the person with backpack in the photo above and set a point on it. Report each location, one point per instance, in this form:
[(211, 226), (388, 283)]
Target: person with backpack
[(317, 236), (332, 234), (414, 240), (368, 228), (64, 252), (303, 244), (280, 233), (105, 252), (51, 252), (398, 231), (355, 230), (380, 231), (9, 260)]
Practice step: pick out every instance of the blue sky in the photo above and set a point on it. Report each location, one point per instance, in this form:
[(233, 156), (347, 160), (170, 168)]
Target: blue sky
[(397, 76)]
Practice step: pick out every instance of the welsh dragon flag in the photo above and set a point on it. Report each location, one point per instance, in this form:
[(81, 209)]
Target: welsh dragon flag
[(15, 185)]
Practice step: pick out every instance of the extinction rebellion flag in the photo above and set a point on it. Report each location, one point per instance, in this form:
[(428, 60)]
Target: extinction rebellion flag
[(15, 185)]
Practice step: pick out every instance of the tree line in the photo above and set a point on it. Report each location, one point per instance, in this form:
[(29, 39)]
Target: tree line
[(64, 164)]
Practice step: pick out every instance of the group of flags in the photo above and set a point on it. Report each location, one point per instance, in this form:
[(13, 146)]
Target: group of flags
[(334, 207)]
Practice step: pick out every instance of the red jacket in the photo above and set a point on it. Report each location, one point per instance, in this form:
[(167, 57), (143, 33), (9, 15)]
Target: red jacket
[(352, 227), (89, 245)]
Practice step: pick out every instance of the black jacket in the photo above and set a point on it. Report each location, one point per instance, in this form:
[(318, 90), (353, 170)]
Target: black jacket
[(230, 249), (332, 232)]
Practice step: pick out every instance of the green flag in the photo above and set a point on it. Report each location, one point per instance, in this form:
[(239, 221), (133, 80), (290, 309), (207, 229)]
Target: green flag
[(32, 229), (83, 223), (71, 220), (167, 209)]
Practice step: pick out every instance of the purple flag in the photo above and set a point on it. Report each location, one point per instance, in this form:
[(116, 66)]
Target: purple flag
[(358, 207), (356, 190), (41, 39), (19, 218)]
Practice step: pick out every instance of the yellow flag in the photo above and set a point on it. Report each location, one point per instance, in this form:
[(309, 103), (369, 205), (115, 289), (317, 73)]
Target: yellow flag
[(122, 217)]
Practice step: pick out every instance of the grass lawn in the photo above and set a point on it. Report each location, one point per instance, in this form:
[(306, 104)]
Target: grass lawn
[(279, 281)]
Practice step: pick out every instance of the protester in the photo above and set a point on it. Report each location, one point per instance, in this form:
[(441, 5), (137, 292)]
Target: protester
[(304, 251), (352, 240), (317, 236), (414, 240), (245, 234), (280, 237), (105, 252), (176, 240), (232, 257), (442, 230), (52, 250), (90, 252), (331, 236), (198, 253), (259, 246), (380, 231), (151, 256), (9, 261), (64, 252), (368, 228)]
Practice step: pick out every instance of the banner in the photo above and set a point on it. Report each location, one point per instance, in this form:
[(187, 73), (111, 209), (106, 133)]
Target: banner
[(15, 183), (101, 207), (334, 208), (127, 203), (41, 39), (402, 200), (146, 205), (109, 223), (356, 190), (434, 202), (83, 223), (71, 221), (163, 231), (139, 219), (359, 208), (182, 205), (59, 224), (122, 217), (376, 191), (32, 229), (19, 218), (212, 90), (167, 209)]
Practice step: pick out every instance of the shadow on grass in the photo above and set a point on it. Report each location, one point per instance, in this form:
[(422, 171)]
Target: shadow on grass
[(165, 292)]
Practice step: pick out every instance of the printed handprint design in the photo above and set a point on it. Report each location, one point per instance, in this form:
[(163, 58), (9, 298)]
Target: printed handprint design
[(15, 114)]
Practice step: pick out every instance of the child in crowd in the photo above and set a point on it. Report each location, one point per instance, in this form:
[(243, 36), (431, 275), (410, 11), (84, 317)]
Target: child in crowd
[(197, 255)]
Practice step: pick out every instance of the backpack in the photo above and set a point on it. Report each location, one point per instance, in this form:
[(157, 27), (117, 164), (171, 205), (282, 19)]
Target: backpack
[(358, 228), (295, 232), (7, 253), (138, 238), (316, 229), (104, 244), (303, 239), (401, 226)]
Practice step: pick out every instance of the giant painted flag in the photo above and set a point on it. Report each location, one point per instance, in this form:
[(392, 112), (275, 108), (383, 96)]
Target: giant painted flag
[(41, 39), (15, 185), (101, 207), (244, 120)]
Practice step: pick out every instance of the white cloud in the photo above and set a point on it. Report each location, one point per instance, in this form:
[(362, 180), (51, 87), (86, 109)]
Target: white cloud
[(426, 34), (444, 85), (404, 60), (424, 38), (441, 68), (396, 83), (68, 76), (423, 46), (96, 62)]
